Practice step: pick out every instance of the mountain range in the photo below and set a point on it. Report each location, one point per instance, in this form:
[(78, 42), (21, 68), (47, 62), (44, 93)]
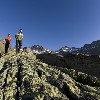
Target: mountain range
[(90, 49)]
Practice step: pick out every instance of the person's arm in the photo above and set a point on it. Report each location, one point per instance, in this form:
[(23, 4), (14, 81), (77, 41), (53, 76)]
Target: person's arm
[(10, 39), (22, 35), (16, 35)]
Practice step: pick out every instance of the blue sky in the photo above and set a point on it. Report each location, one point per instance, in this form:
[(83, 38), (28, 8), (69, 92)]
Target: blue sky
[(51, 23)]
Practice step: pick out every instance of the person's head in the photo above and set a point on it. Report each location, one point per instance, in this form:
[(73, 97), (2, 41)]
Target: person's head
[(8, 34), (20, 30)]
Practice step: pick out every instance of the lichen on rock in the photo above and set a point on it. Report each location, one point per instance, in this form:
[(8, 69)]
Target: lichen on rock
[(23, 77)]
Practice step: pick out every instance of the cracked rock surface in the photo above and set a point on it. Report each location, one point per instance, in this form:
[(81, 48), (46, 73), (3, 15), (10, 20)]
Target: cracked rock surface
[(23, 77)]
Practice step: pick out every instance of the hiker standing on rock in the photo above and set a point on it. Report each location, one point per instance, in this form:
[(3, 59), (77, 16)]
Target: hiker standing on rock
[(19, 37), (7, 39)]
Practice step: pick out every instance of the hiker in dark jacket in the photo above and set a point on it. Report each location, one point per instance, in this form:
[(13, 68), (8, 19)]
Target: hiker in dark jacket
[(19, 37), (7, 39)]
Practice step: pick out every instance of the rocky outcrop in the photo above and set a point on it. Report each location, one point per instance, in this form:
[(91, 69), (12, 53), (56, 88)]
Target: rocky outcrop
[(37, 48), (23, 77), (2, 46)]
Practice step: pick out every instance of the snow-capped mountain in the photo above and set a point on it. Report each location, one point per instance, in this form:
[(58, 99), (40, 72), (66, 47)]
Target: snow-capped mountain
[(92, 49), (40, 50), (67, 49)]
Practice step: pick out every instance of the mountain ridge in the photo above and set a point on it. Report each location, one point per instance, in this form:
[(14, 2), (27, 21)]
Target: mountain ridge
[(90, 49)]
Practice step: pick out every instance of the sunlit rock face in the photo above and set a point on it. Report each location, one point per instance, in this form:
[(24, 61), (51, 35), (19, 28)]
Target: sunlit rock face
[(23, 77), (2, 45)]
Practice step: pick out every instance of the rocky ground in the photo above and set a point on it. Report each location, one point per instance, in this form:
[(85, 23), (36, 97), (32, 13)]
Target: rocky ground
[(2, 46), (23, 77), (86, 64)]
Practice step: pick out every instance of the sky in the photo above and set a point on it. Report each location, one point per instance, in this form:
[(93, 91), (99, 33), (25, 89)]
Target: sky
[(51, 23)]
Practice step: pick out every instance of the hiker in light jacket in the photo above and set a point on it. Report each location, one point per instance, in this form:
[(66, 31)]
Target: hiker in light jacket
[(19, 37)]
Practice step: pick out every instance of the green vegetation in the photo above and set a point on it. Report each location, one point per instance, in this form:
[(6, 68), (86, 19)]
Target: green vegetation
[(81, 77)]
